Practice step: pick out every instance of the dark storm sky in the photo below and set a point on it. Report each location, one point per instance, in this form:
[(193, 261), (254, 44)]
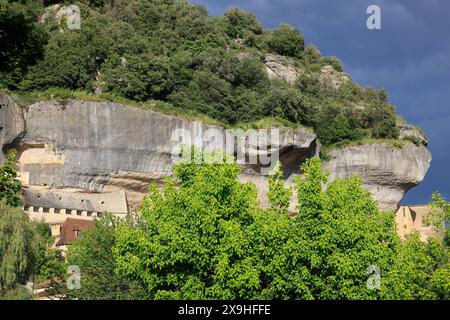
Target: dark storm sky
[(409, 56)]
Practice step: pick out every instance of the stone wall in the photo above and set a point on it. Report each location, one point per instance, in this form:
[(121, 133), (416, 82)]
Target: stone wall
[(410, 219)]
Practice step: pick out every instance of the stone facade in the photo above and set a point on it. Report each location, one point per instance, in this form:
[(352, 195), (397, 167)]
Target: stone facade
[(56, 207), (410, 219), (47, 203)]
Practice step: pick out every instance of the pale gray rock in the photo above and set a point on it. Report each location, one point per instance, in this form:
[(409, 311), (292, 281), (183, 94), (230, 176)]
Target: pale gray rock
[(107, 147), (12, 124), (386, 171), (330, 77), (280, 67), (407, 130)]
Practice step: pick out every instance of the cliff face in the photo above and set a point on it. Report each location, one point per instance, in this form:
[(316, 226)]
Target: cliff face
[(12, 124), (281, 67), (387, 172), (104, 146)]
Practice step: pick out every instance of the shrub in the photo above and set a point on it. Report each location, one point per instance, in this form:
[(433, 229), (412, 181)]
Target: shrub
[(413, 139), (334, 125), (334, 62), (311, 55), (18, 250), (136, 51), (22, 40), (387, 129), (249, 73), (240, 22), (287, 40)]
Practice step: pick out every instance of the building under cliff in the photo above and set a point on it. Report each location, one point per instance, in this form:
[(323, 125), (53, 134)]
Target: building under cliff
[(96, 147), (68, 213), (410, 219)]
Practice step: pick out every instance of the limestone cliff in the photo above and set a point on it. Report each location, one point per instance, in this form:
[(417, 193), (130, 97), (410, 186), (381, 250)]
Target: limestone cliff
[(105, 146), (388, 172), (281, 67)]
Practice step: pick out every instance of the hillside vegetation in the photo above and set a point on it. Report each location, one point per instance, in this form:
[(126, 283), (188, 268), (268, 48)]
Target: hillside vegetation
[(174, 53)]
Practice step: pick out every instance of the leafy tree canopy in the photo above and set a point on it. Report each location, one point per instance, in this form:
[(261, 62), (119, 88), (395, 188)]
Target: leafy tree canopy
[(207, 238), (9, 185), (93, 254), (18, 251)]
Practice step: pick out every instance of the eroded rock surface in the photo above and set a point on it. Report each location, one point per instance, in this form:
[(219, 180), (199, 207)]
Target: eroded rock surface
[(407, 130), (280, 67), (12, 124), (106, 147), (387, 172)]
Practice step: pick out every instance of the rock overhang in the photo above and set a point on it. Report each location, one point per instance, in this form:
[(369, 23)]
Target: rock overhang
[(106, 146)]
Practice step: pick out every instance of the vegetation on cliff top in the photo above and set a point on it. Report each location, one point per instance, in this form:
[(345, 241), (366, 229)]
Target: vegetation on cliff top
[(174, 52)]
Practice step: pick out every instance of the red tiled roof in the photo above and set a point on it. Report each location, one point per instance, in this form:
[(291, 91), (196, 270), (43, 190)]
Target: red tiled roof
[(69, 230), (46, 283)]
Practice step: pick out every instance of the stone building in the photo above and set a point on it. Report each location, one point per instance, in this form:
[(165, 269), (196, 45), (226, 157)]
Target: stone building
[(55, 207), (70, 231), (411, 219)]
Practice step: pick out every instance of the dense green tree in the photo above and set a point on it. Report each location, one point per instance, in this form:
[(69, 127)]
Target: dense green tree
[(208, 94), (194, 242), (9, 184), (341, 234), (287, 40), (416, 272), (421, 269), (173, 51), (381, 119), (334, 124), (139, 77), (72, 58), (249, 73), (51, 265), (22, 39), (50, 261), (285, 102), (240, 22), (208, 239), (18, 252), (440, 283), (247, 104), (93, 254)]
